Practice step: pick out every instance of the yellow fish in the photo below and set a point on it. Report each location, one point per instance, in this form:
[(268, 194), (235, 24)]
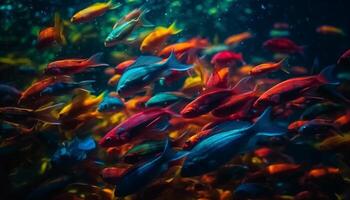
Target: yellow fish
[(154, 40)]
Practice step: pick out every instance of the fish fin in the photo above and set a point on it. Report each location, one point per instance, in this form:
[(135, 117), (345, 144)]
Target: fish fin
[(246, 84), (87, 85), (44, 114), (173, 29), (113, 5), (175, 108), (173, 64), (94, 61), (327, 76), (59, 29), (143, 61), (264, 123)]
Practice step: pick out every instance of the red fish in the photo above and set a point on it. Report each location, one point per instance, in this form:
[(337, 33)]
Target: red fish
[(218, 78), (226, 58), (292, 88), (283, 45), (294, 126), (235, 104), (73, 66), (210, 100), (155, 120)]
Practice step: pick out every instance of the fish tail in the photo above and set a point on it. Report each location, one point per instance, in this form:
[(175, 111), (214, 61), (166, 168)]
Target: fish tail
[(59, 29), (173, 64), (327, 76), (173, 29), (95, 61), (143, 21), (87, 85), (45, 114), (113, 5)]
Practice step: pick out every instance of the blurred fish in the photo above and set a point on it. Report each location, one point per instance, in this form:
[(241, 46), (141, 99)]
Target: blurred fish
[(330, 30), (227, 58), (51, 35), (94, 11), (62, 88), (238, 38), (9, 95), (283, 45), (135, 14)]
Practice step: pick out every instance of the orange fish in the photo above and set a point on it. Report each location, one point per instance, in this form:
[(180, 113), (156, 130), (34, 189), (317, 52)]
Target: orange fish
[(218, 78), (51, 35), (267, 67), (121, 67), (157, 37), (282, 168), (330, 30), (182, 47), (33, 92), (238, 38), (73, 66), (320, 172), (93, 11)]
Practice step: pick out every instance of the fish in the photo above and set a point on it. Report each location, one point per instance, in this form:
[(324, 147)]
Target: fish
[(203, 157), (330, 30), (218, 78), (210, 100), (121, 67), (157, 37), (62, 88), (283, 45), (146, 70), (121, 33), (291, 88), (227, 58), (164, 99), (238, 38), (134, 14), (73, 66), (154, 119), (143, 151), (318, 126), (21, 116), (181, 48), (344, 59), (235, 104), (52, 35), (93, 11), (110, 103), (139, 176), (33, 92), (267, 67)]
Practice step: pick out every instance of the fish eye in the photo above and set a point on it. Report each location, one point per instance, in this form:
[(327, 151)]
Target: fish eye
[(108, 139)]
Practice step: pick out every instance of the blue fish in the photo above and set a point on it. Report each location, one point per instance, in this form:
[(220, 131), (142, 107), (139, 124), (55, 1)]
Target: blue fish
[(145, 71), (140, 176), (216, 150), (9, 95), (62, 88), (164, 99), (110, 104)]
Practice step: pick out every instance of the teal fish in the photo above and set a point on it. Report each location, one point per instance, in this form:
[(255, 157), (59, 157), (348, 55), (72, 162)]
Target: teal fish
[(164, 99), (145, 71)]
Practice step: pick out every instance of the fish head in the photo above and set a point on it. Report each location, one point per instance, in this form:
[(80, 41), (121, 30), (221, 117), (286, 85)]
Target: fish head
[(111, 140)]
